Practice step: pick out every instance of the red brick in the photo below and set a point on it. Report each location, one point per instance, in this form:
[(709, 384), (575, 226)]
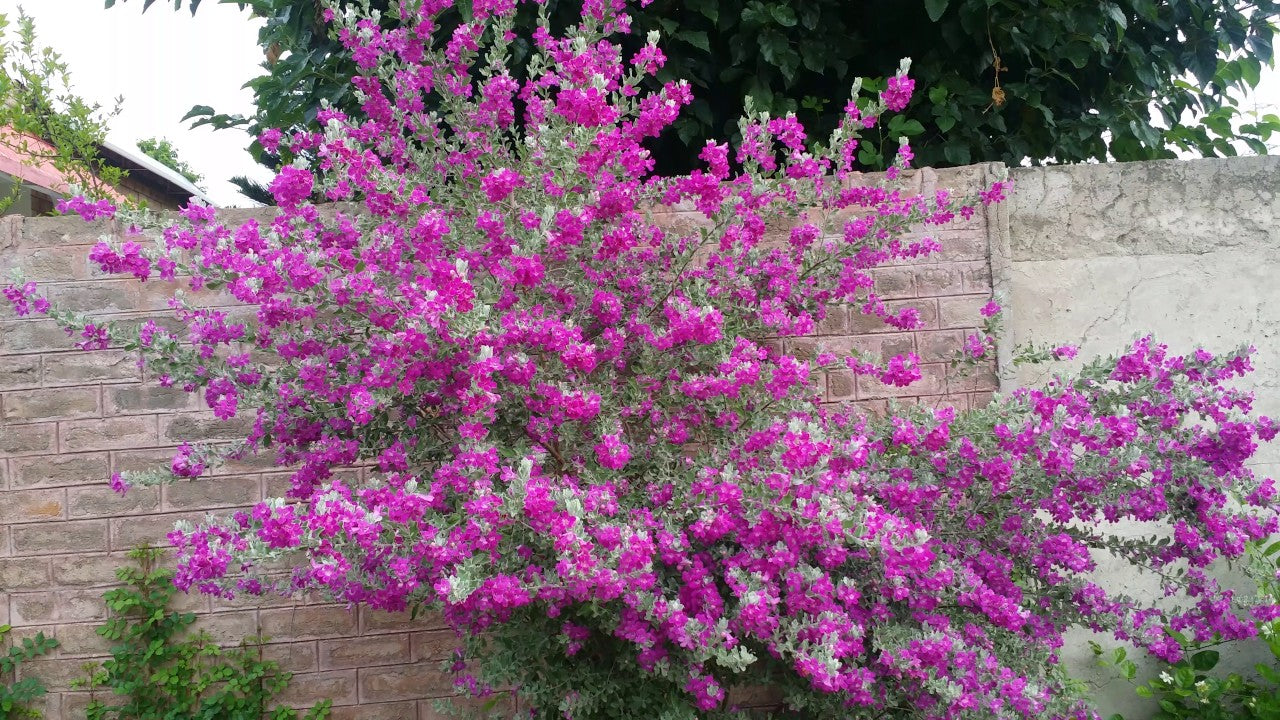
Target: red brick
[(973, 379), (448, 708), (927, 308), (755, 696), (939, 345), (836, 322), (980, 399), (962, 244), (842, 385), (434, 646), (977, 277), (377, 621), (935, 280)]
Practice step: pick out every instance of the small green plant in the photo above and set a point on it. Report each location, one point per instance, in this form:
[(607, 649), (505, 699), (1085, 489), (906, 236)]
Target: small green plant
[(161, 668), (14, 697), (1191, 690)]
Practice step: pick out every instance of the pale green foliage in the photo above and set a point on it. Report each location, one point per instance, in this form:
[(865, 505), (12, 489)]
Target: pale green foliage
[(43, 121)]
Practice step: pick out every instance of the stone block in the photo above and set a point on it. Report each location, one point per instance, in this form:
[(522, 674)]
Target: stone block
[(404, 682), (60, 470), (52, 538), (19, 372), (305, 689), (303, 622), (210, 493), (32, 506), (961, 311), (135, 399), (81, 367), (51, 404), (95, 501), (391, 649), (931, 382), (108, 433), (27, 439), (24, 574)]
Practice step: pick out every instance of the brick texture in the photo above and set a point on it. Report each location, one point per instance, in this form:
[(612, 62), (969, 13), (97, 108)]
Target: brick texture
[(68, 419)]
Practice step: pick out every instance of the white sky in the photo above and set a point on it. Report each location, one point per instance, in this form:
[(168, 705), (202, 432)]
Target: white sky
[(164, 62)]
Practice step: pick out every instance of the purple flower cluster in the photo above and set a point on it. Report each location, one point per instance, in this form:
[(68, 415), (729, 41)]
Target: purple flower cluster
[(570, 411)]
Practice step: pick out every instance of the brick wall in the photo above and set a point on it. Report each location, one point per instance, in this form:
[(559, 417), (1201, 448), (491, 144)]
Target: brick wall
[(68, 419)]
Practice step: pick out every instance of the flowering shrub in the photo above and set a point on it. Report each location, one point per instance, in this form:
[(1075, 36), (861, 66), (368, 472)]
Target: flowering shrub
[(588, 454), (1191, 689)]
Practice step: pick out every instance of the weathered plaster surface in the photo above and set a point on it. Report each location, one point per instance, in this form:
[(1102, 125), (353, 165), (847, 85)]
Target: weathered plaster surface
[(1189, 251)]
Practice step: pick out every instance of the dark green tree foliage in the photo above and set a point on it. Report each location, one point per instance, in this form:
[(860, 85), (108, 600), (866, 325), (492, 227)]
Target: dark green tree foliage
[(163, 151), (1007, 80)]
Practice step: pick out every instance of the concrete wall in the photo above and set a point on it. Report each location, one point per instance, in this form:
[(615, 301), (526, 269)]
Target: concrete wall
[(1186, 250), (68, 419)]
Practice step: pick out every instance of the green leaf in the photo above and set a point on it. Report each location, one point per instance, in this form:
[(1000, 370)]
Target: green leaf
[(1144, 691), (1117, 15), (783, 15), (911, 127), (935, 9), (696, 38), (1205, 660), (957, 154), (710, 9)]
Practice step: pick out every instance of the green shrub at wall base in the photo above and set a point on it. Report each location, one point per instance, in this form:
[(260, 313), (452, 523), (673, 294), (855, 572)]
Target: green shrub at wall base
[(15, 696), (1191, 690), (162, 669)]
